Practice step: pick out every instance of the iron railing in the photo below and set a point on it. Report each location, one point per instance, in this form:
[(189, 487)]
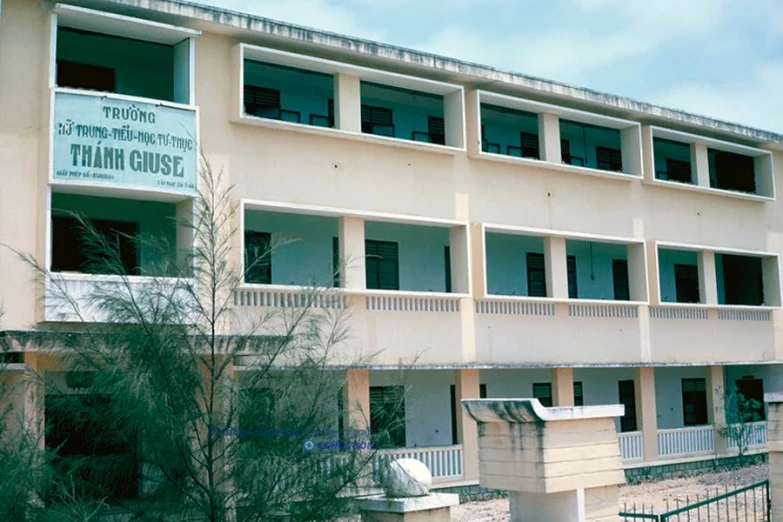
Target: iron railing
[(746, 504)]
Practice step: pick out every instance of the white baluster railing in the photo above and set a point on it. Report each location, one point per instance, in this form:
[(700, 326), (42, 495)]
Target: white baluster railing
[(744, 315), (613, 310), (631, 445), (676, 312), (444, 462), (413, 303), (502, 307), (686, 441), (753, 435), (294, 297)]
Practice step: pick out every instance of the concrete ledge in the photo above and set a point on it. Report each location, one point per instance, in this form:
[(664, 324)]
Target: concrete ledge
[(773, 397), (531, 410), (409, 504)]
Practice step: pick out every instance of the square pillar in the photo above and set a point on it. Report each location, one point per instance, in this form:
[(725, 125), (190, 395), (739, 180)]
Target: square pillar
[(653, 272), (478, 253), (467, 386), (556, 268), (637, 271), (770, 270), (453, 119), (708, 280), (549, 137), (716, 408), (351, 245), (562, 387), (646, 412), (459, 260), (774, 403), (648, 153), (472, 123), (347, 103), (631, 150), (356, 399), (700, 164)]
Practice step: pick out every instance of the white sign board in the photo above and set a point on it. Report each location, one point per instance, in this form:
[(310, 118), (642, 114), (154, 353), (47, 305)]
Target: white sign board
[(106, 141)]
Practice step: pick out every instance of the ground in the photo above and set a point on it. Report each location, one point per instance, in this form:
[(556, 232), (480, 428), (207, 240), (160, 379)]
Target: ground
[(656, 494)]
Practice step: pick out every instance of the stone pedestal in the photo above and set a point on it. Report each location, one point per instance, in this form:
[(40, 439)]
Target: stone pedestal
[(435, 507), (559, 464), (775, 447)]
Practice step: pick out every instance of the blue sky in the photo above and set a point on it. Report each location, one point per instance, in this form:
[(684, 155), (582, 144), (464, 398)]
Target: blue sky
[(721, 58)]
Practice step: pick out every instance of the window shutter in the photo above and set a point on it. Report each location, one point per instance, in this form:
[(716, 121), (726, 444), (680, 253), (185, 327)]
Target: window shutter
[(382, 265), (529, 145), (609, 158), (536, 275), (694, 385), (447, 266), (579, 398), (543, 392), (573, 287), (258, 263), (436, 128), (622, 288)]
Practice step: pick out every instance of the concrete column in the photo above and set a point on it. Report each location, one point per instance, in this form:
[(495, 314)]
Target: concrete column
[(775, 447), (708, 281), (351, 244), (556, 269), (771, 274), (356, 399), (347, 103), (654, 285), (648, 154), (549, 137), (467, 386), (459, 261), (700, 164), (34, 395), (453, 119), (637, 272), (646, 412), (762, 166), (562, 387), (472, 123), (631, 150), (478, 260), (716, 408)]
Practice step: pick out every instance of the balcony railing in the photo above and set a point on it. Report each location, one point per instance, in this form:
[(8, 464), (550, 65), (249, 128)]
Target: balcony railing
[(288, 297), (413, 302), (686, 442), (754, 436), (631, 446), (444, 462)]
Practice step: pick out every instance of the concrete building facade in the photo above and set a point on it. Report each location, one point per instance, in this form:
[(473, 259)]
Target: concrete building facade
[(494, 235)]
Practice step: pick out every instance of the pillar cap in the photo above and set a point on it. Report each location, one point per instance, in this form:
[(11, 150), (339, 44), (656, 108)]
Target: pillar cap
[(773, 397), (531, 410)]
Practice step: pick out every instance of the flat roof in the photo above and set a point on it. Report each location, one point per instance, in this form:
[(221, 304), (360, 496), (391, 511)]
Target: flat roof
[(259, 30)]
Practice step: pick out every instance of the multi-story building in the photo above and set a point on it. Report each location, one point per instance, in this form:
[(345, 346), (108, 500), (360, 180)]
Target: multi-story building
[(495, 235)]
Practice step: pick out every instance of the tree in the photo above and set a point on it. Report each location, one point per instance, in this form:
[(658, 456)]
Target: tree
[(156, 360), (741, 414)]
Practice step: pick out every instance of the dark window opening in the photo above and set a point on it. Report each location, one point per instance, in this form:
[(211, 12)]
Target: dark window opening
[(436, 128), (387, 415), (98, 454), (743, 280), (529, 145), (694, 402), (85, 76), (377, 120), (686, 283), (622, 288), (336, 262), (447, 267), (258, 257), (543, 392), (627, 397), (608, 158), (265, 103), (536, 275), (730, 171), (382, 265), (456, 409), (752, 391), (73, 250), (573, 286), (579, 397), (678, 170)]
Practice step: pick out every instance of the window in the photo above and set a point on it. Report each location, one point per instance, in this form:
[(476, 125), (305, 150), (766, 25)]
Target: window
[(336, 262), (436, 128), (730, 171), (573, 287), (447, 266), (258, 258), (377, 120), (536, 275), (382, 265), (751, 388), (543, 392), (456, 409), (262, 102), (678, 170), (84, 76), (627, 397), (622, 289), (387, 415), (686, 283), (609, 159), (529, 145), (743, 280), (69, 252), (694, 402)]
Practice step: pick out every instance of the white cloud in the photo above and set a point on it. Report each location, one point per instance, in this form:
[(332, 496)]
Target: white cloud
[(750, 99)]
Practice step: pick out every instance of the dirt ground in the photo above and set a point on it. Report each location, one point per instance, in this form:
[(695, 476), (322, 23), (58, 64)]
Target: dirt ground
[(677, 492)]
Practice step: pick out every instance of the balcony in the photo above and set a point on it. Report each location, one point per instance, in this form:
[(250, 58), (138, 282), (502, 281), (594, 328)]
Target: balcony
[(510, 132), (691, 162), (148, 251)]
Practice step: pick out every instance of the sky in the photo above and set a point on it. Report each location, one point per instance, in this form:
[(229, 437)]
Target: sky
[(720, 58)]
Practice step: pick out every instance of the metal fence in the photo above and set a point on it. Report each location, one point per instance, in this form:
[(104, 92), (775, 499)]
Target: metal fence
[(747, 504)]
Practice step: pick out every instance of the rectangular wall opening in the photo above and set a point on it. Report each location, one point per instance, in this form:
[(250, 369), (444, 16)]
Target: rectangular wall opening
[(591, 146), (289, 249), (679, 276), (402, 113), (102, 62), (143, 234), (278, 92), (598, 270), (509, 131), (673, 161), (740, 280), (515, 265), (406, 257), (732, 171)]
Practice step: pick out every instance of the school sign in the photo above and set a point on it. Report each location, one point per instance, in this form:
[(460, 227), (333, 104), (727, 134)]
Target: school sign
[(113, 142)]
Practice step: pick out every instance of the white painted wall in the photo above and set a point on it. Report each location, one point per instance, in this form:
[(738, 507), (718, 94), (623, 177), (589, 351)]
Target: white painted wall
[(668, 394)]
